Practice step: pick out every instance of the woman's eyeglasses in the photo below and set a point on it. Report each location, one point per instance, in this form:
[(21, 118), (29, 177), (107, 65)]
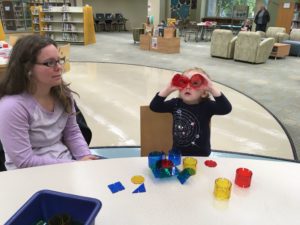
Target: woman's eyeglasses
[(197, 81), (53, 63)]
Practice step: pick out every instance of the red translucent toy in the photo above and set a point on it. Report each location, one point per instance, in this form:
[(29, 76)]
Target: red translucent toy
[(243, 177), (165, 164), (210, 163), (197, 81)]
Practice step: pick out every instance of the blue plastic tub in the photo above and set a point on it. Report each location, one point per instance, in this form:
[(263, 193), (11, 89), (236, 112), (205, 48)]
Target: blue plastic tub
[(45, 204)]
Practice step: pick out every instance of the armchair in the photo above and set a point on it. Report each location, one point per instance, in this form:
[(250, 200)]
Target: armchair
[(278, 33), (250, 48), (222, 43), (294, 41)]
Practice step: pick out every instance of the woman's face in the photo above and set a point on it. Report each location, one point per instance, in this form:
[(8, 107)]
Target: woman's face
[(47, 72), (191, 95)]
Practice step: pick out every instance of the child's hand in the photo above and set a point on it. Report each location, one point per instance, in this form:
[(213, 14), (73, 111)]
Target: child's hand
[(167, 90), (211, 88)]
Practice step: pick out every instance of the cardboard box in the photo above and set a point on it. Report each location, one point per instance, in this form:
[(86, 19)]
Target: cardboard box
[(145, 41), (169, 32), (167, 45)]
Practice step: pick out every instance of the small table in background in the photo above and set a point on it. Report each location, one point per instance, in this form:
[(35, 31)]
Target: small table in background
[(280, 50)]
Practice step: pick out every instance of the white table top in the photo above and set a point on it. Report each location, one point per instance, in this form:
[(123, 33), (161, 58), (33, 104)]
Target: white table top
[(273, 198)]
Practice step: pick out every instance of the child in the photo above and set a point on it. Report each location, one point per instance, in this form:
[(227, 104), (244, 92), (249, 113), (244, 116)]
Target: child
[(192, 110), (246, 26)]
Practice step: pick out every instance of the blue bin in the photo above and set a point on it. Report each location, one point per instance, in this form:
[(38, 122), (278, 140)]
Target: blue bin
[(45, 204)]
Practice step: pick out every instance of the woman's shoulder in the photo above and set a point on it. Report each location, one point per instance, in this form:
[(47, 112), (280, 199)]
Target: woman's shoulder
[(16, 102)]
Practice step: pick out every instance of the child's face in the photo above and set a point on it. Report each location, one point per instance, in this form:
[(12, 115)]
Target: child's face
[(191, 95)]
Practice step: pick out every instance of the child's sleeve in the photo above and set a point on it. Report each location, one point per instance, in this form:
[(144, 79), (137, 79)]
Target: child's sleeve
[(158, 104), (221, 105)]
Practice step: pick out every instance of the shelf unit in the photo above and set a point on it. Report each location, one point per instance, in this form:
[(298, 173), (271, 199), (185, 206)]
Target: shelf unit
[(15, 15), (35, 17), (66, 23), (50, 2), (296, 16)]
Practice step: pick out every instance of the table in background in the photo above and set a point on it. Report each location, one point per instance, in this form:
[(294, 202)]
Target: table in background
[(273, 197), (234, 28), (280, 50), (204, 32)]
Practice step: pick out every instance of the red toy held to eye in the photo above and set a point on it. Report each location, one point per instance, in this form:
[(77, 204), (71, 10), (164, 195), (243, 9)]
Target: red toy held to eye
[(197, 81)]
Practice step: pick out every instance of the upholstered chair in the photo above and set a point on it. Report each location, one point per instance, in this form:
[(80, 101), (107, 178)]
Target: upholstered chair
[(249, 47), (295, 35), (294, 41), (222, 43), (278, 33)]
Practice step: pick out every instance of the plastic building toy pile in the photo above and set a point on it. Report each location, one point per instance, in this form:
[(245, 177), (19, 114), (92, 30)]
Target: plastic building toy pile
[(164, 166)]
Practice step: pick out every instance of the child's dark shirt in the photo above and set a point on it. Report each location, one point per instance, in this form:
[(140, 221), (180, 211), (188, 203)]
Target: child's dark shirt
[(191, 123)]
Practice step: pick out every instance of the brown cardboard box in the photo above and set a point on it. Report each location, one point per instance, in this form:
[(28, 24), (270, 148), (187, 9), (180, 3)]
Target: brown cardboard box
[(169, 32), (145, 41), (167, 45)]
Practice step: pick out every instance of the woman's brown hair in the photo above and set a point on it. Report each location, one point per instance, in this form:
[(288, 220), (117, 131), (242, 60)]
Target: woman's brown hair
[(17, 77)]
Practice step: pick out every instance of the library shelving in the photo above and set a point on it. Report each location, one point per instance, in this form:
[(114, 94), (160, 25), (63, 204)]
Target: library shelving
[(15, 15), (50, 2), (65, 23), (296, 16), (35, 16)]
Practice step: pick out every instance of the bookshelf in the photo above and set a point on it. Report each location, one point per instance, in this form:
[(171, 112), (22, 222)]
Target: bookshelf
[(296, 16), (35, 17), (50, 2), (65, 23), (16, 15), (288, 15)]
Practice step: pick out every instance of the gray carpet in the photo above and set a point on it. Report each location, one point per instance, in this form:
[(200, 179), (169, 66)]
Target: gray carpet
[(274, 84)]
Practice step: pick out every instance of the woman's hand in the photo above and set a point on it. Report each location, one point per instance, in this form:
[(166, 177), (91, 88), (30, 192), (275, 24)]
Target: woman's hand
[(89, 157)]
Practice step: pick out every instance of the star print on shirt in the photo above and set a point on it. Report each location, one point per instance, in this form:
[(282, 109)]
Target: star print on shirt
[(186, 128)]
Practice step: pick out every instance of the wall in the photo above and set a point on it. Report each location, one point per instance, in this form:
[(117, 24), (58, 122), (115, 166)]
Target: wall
[(155, 10), (196, 14), (133, 10)]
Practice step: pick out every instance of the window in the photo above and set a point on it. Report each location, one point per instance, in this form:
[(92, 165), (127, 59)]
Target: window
[(230, 8)]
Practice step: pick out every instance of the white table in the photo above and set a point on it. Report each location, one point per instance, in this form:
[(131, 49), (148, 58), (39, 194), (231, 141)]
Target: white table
[(273, 198)]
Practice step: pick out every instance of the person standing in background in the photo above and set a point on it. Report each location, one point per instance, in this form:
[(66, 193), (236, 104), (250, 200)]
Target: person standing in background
[(261, 19)]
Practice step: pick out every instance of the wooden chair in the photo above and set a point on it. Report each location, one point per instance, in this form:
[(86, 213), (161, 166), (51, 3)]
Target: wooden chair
[(64, 51), (156, 131)]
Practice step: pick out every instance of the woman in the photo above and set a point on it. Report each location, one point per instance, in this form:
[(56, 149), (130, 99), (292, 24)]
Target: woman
[(261, 19), (37, 115)]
